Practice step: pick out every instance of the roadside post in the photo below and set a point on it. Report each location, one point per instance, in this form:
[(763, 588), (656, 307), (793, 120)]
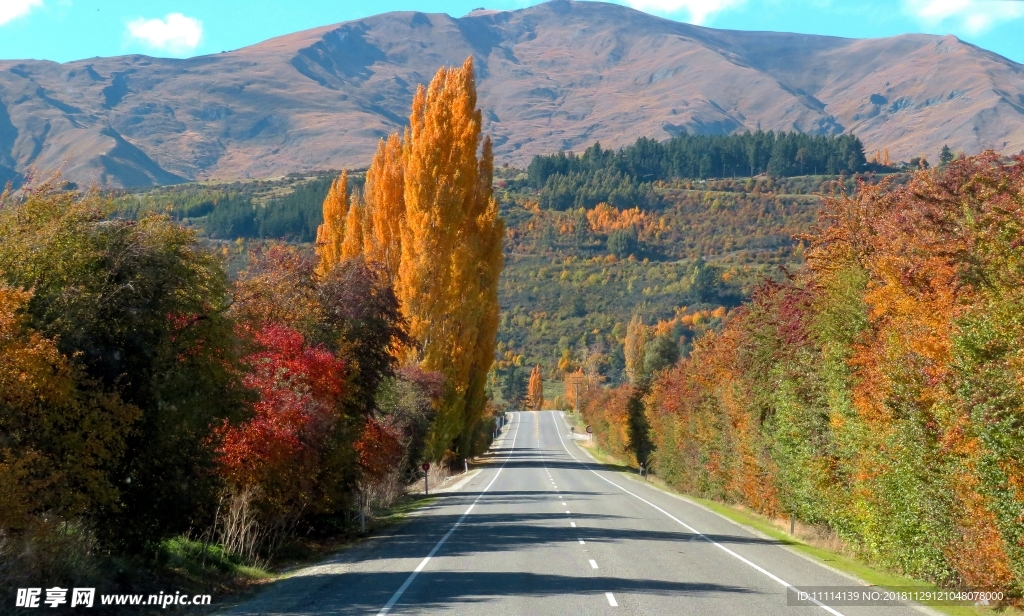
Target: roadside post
[(590, 434), (426, 482), (572, 432), (362, 512)]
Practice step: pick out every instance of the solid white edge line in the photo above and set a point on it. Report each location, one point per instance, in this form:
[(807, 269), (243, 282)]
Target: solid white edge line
[(693, 530), (423, 563), (611, 599)]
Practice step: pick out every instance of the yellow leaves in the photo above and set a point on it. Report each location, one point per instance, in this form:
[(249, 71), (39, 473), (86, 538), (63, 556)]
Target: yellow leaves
[(331, 234), (384, 195), (352, 244), (565, 362), (535, 389), (576, 386), (430, 217), (604, 219), (30, 361), (634, 348)]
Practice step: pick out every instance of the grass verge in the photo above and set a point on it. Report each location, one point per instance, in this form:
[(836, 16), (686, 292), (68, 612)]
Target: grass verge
[(837, 560)]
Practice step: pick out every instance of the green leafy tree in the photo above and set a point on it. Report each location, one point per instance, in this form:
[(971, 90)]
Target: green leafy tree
[(946, 155), (142, 307), (514, 385), (661, 353), (704, 282), (623, 242)]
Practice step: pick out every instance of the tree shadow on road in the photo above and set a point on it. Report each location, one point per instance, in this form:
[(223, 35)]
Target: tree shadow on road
[(362, 592)]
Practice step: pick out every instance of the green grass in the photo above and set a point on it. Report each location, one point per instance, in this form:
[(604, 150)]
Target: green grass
[(199, 561)]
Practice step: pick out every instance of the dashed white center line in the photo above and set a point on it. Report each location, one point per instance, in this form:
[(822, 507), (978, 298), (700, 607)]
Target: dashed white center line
[(581, 542), (567, 511), (573, 524), (563, 503), (593, 564), (754, 566), (611, 599)]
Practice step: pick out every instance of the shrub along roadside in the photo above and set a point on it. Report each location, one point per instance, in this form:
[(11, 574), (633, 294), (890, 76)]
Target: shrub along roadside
[(877, 392), (826, 552), (144, 397)]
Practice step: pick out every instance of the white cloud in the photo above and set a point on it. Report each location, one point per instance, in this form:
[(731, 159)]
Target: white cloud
[(974, 16), (12, 9), (175, 33), (699, 10)]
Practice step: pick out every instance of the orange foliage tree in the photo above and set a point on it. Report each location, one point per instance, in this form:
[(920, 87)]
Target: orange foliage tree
[(535, 389), (880, 391), (432, 221), (60, 439), (330, 235)]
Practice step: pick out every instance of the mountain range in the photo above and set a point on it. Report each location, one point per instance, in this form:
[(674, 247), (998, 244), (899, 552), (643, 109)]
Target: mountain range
[(556, 76)]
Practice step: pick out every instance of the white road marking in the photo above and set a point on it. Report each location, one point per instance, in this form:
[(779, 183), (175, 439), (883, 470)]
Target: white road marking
[(581, 542), (611, 599), (593, 564), (563, 503), (573, 524), (567, 511), (412, 576), (693, 530)]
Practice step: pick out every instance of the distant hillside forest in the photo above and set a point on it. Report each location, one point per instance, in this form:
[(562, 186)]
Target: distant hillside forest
[(289, 209), (624, 178), (591, 239)]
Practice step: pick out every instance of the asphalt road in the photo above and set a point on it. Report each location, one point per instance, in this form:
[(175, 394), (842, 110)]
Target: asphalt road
[(543, 529)]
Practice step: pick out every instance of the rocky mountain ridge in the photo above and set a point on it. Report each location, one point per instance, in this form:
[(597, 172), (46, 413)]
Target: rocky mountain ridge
[(559, 75)]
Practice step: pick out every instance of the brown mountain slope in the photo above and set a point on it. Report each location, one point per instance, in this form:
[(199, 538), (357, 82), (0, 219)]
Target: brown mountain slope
[(558, 75)]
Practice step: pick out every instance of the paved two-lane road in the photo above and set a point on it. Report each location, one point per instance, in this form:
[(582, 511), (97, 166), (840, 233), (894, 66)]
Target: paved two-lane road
[(544, 530)]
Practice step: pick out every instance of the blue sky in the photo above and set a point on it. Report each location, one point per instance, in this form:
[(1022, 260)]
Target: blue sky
[(63, 30)]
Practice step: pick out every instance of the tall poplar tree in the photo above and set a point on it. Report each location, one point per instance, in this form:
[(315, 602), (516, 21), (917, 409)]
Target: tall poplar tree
[(451, 250), (635, 349), (432, 221), (535, 391), (384, 195), (352, 243), (331, 234)]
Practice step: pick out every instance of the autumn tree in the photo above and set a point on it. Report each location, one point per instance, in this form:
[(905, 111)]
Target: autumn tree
[(61, 440), (635, 348), (576, 385), (446, 256), (352, 243), (279, 453), (384, 194), (142, 307), (536, 389), (361, 320), (330, 235)]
